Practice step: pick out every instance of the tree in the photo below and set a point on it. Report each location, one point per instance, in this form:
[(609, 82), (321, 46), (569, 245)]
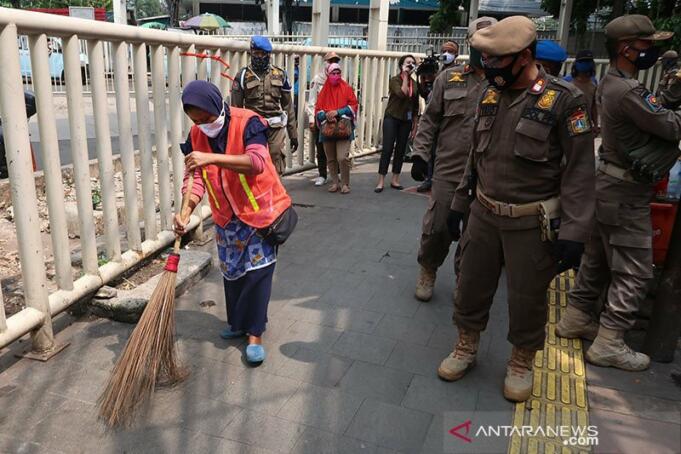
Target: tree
[(173, 7), (147, 8), (447, 15)]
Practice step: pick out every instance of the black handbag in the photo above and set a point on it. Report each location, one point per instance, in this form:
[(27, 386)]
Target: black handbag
[(278, 232)]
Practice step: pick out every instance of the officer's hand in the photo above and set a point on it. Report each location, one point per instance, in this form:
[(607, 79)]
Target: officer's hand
[(294, 144), (454, 221), (312, 126), (568, 254), (331, 114), (419, 168)]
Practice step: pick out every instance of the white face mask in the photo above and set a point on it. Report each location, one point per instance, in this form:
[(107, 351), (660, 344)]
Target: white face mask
[(447, 58), (213, 129)]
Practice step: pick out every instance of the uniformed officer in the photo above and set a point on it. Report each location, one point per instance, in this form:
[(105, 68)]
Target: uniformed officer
[(449, 52), (551, 56), (532, 156), (670, 66), (618, 257), (265, 89), (448, 122)]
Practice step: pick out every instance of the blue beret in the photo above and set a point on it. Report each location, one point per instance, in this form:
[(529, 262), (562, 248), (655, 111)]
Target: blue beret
[(550, 51), (261, 43)]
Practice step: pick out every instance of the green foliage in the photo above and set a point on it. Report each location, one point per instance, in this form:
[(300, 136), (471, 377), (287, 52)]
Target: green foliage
[(27, 4), (447, 16), (672, 24), (147, 8)]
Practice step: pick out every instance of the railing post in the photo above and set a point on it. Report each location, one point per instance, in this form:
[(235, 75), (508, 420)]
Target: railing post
[(22, 185), (175, 106), (143, 126), (158, 84), (104, 154), (188, 74), (126, 146), (49, 153), (302, 124), (3, 320), (79, 154)]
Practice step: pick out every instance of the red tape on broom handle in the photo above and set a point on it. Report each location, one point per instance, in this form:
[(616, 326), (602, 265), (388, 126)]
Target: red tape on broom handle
[(185, 205)]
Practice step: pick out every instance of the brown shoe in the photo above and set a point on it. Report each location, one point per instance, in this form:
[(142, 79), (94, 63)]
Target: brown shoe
[(575, 324), (462, 359), (518, 381), (333, 188), (425, 284), (610, 350)]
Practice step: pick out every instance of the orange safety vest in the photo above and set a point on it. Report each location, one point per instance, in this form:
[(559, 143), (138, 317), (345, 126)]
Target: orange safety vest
[(257, 200)]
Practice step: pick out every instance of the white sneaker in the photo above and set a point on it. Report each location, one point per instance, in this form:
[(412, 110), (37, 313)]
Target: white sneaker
[(320, 181)]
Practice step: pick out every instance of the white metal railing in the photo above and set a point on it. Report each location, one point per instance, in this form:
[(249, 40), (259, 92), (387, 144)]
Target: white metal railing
[(153, 59)]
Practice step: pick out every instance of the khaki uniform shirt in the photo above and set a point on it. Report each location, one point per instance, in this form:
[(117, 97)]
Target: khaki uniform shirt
[(534, 145), (448, 118), (630, 114), (268, 95), (670, 93)]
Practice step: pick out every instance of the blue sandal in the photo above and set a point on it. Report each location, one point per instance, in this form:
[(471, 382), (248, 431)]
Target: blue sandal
[(227, 333), (255, 353)]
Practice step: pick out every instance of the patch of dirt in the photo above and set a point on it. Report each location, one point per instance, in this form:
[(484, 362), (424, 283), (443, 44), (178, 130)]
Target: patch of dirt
[(141, 275)]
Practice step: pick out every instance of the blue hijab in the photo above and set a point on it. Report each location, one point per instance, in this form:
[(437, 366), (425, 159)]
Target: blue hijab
[(207, 97)]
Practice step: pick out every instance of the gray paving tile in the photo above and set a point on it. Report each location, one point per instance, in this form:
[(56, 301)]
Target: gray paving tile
[(324, 313), (259, 391), (395, 302), (404, 329), (624, 434), (641, 406), (315, 367), (269, 432), (390, 426), (310, 335), (432, 395), (417, 359), (323, 408), (314, 441), (364, 347), (655, 381), (438, 314), (377, 382), (207, 444)]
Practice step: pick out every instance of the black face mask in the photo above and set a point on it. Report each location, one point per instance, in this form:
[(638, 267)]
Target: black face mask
[(425, 88), (260, 64), (668, 63), (646, 57), (502, 78), (475, 58)]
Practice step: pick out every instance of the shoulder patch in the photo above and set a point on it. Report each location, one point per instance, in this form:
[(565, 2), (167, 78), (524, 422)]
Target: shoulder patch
[(578, 122), (548, 99), (652, 102), (538, 86)]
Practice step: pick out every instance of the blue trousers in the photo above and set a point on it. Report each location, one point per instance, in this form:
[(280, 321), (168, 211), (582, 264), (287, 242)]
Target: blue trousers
[(247, 299)]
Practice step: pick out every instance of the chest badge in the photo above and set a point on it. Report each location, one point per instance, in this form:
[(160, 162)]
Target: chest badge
[(547, 100), (456, 77), (491, 97)]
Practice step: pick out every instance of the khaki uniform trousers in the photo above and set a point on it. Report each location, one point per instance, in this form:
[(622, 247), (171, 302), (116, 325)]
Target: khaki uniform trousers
[(619, 258), (338, 154), (435, 237), (276, 139), (489, 243)]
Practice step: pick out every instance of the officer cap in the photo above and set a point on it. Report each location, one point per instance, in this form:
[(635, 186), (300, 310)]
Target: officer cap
[(506, 37), (584, 54), (549, 50), (450, 46), (331, 55), (634, 26), (261, 43), (480, 22), (670, 54)]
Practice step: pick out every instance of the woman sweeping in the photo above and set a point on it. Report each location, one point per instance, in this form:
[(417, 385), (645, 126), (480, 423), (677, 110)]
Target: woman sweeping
[(335, 112), (227, 152)]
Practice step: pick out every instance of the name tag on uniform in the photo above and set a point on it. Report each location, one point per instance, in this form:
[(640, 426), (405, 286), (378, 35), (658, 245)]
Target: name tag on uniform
[(409, 115)]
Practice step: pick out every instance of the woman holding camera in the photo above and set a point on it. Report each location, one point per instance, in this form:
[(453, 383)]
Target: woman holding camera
[(399, 121)]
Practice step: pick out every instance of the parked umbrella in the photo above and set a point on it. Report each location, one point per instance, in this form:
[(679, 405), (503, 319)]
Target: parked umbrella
[(154, 25), (206, 21)]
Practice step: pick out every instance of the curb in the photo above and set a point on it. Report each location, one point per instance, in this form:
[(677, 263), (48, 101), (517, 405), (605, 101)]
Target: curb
[(127, 306)]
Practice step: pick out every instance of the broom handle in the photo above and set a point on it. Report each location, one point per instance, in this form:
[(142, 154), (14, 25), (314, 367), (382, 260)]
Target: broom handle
[(185, 204)]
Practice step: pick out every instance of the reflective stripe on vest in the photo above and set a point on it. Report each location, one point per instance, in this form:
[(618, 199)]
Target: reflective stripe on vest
[(249, 193)]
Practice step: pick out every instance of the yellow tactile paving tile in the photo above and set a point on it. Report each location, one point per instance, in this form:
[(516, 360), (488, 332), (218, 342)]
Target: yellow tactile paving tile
[(559, 393)]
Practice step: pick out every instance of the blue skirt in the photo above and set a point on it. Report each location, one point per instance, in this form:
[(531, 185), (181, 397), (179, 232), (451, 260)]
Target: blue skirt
[(247, 300)]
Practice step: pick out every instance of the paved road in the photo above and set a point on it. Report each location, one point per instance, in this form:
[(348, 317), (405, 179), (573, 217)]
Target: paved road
[(351, 358)]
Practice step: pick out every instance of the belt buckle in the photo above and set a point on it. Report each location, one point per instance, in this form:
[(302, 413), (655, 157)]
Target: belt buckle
[(505, 210)]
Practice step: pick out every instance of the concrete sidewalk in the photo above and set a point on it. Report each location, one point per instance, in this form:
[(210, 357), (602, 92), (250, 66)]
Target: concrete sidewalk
[(352, 358)]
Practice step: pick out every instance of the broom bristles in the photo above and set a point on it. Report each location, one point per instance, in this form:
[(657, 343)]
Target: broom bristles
[(149, 358)]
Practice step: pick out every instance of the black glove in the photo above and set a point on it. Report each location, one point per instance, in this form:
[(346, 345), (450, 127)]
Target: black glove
[(294, 144), (419, 168), (568, 254), (454, 220)]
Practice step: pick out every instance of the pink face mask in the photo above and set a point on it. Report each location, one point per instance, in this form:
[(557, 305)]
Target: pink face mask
[(334, 79)]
